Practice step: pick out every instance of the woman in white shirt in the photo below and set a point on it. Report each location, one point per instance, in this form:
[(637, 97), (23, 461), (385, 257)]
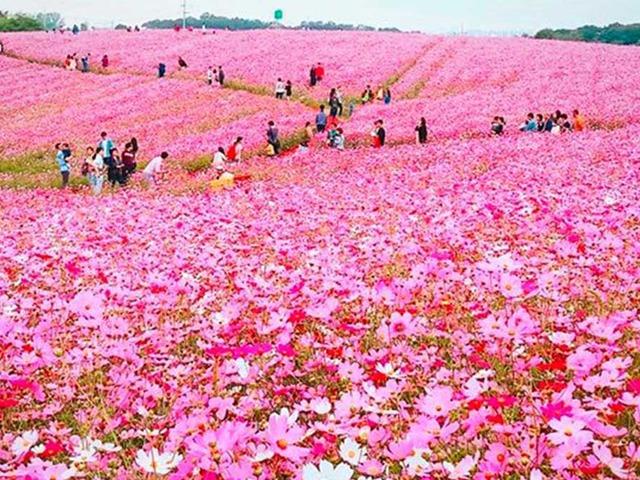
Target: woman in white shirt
[(281, 89), (219, 162), (98, 171)]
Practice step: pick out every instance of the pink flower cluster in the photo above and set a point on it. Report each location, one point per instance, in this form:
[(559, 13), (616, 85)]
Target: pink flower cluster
[(456, 311)]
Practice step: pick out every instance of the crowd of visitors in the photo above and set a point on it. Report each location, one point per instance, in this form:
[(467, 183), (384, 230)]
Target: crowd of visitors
[(556, 123), (105, 163)]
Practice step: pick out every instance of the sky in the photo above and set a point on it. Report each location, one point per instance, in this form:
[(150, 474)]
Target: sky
[(423, 15)]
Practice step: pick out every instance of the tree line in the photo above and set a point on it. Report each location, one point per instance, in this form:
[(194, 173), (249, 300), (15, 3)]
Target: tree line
[(210, 21), (21, 22), (615, 33)]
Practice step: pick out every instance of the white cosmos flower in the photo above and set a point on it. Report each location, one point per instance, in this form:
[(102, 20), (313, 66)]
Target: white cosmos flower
[(38, 449), (416, 465), (351, 452), (156, 462), (262, 454), (23, 443), (327, 471), (387, 370), (84, 454), (105, 447), (321, 406), (243, 368)]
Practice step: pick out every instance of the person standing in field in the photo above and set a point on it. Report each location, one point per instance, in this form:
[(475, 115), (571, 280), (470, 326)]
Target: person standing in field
[(107, 145), (154, 170), (387, 96), (319, 72), (128, 162), (579, 123), (334, 103), (339, 100), (219, 162), (280, 89), (221, 76), (321, 120), (87, 166), (288, 89), (313, 76), (162, 70), (98, 171), (209, 76), (105, 61), (117, 168), (273, 138), (308, 131), (62, 157), (234, 153), (379, 134), (421, 132), (181, 63), (85, 63)]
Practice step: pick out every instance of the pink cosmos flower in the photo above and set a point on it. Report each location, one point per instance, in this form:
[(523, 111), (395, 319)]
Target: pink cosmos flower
[(569, 430), (283, 436), (510, 286)]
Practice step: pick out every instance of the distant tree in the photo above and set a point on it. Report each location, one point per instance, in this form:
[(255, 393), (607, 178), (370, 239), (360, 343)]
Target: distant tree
[(18, 23), (84, 26), (121, 26), (50, 20)]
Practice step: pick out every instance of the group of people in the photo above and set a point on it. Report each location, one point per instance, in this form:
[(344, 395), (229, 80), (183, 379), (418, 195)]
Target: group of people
[(283, 89), (383, 95), (556, 123), (216, 75), (102, 162), (316, 74), (71, 63)]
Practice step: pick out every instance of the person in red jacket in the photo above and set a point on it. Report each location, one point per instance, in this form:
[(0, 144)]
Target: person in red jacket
[(319, 72), (234, 153)]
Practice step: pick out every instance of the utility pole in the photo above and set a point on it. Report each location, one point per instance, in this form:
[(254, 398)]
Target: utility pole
[(184, 13)]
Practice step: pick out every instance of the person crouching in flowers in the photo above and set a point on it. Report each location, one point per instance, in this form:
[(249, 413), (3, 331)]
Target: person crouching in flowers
[(154, 171)]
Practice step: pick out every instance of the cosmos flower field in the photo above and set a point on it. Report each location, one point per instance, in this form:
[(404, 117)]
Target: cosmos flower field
[(466, 309)]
